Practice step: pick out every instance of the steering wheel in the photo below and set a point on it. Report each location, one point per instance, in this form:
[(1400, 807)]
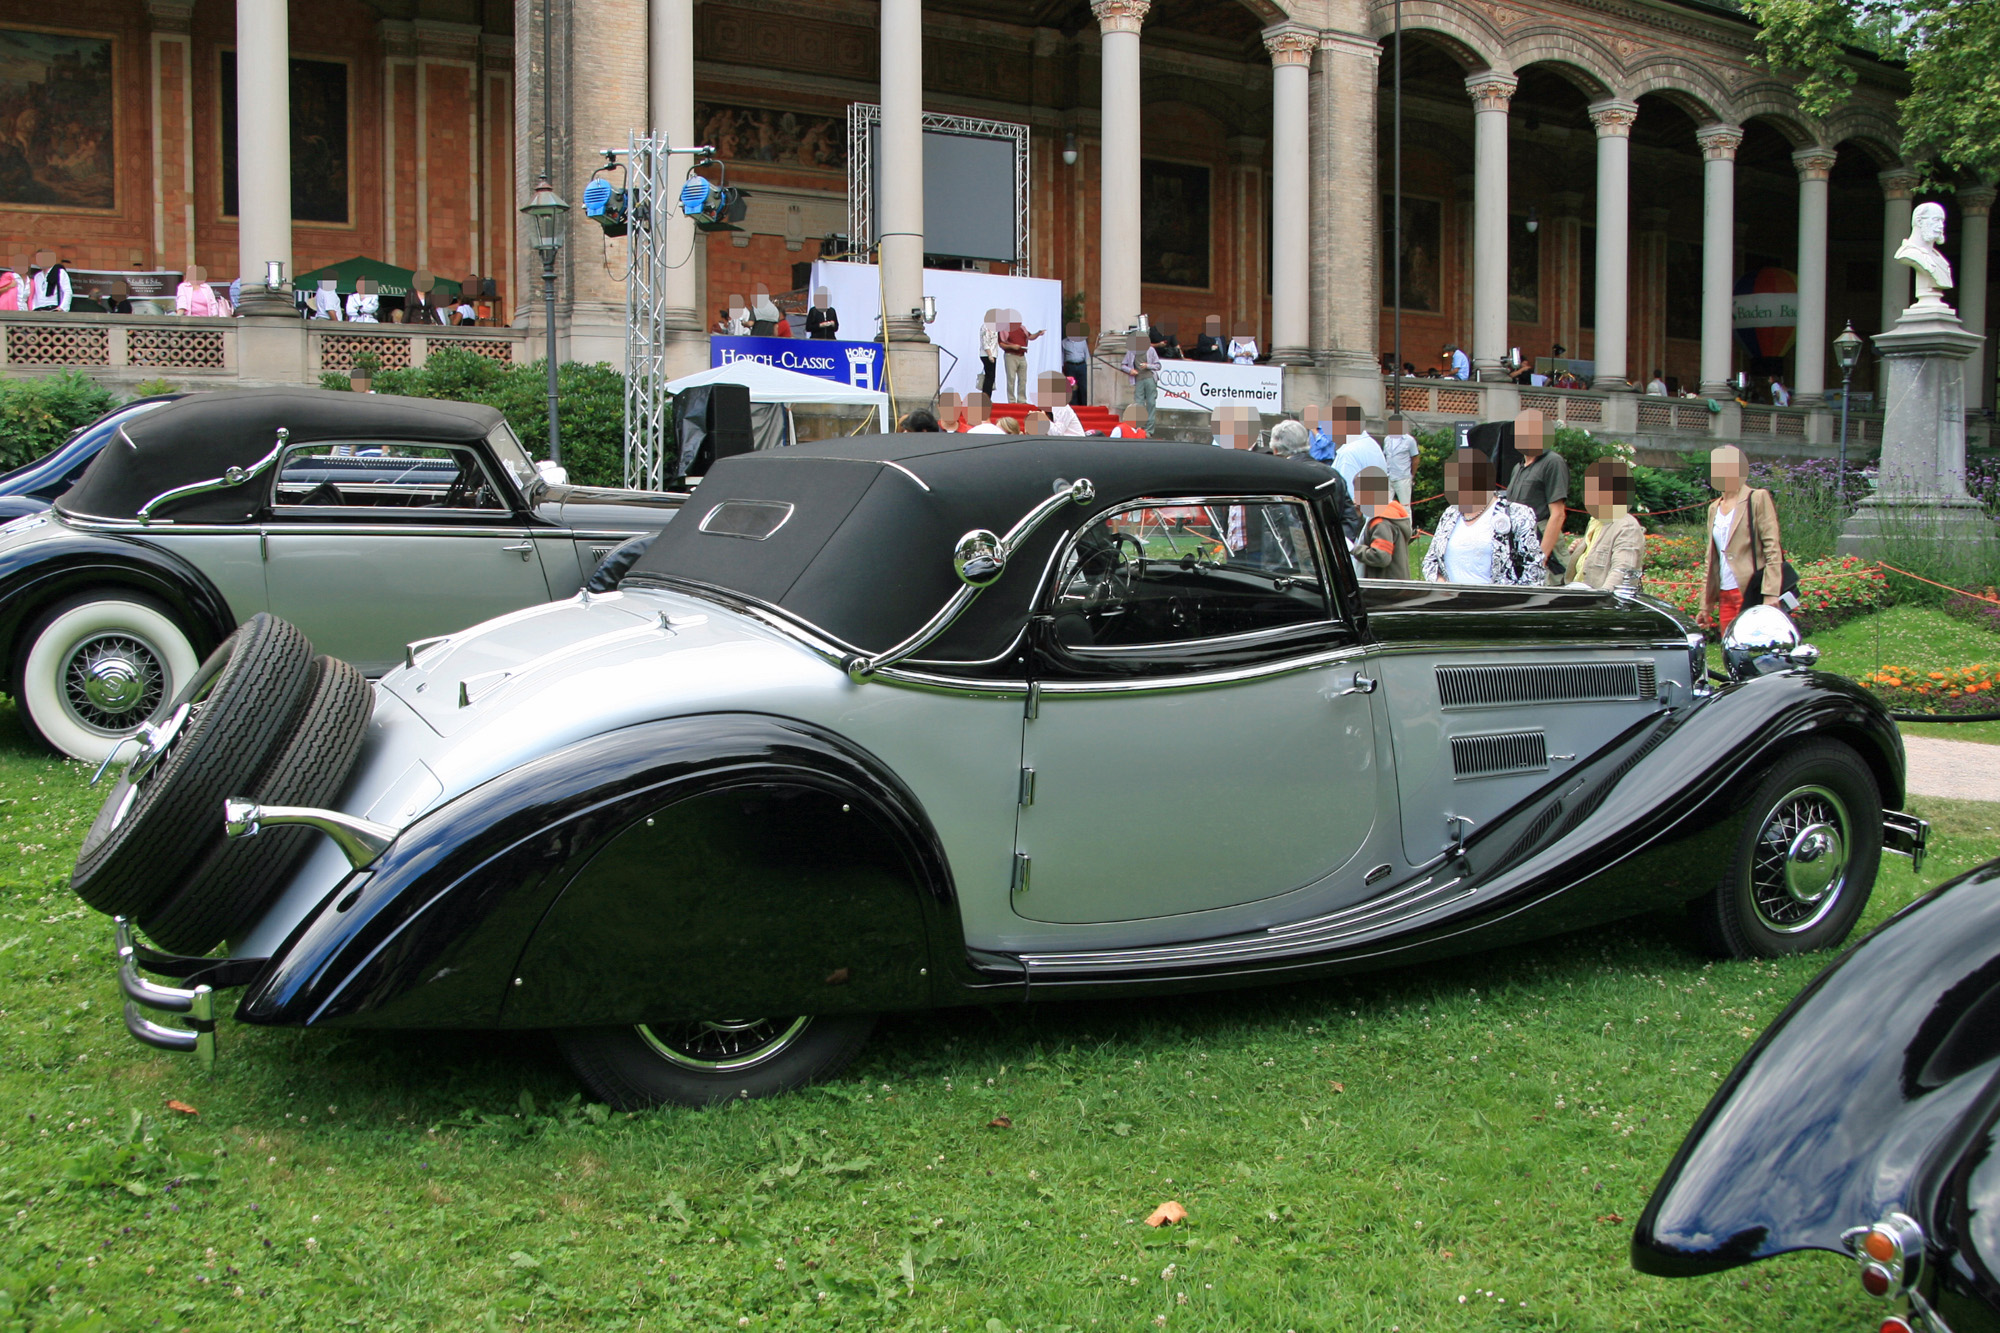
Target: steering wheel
[(1126, 572)]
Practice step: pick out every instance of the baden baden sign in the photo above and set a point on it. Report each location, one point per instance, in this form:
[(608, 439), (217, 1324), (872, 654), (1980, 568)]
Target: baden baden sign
[(855, 364)]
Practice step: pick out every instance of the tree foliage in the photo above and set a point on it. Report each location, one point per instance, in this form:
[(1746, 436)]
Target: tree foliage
[(1951, 49)]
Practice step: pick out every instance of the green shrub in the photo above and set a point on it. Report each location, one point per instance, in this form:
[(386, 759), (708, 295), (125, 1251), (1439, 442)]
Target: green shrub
[(154, 388), (37, 414)]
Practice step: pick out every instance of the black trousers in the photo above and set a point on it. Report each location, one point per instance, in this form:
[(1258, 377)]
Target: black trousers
[(986, 376), (1080, 372)]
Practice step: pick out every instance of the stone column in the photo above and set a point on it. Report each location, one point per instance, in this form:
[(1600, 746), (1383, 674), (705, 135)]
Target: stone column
[(1976, 209), (1815, 164), (1291, 46), (1613, 120), (1718, 254), (263, 151), (1491, 92), (1899, 186), (671, 93), (1346, 225), (1118, 298), (900, 230)]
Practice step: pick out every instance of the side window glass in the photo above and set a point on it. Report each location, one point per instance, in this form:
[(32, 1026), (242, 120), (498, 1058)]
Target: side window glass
[(385, 476), (1149, 575)]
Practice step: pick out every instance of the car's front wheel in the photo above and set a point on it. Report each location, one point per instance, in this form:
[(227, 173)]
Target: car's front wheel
[(1805, 861), (713, 1060), (97, 667)]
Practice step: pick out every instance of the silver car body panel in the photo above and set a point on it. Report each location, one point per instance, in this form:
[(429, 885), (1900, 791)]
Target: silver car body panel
[(232, 558)]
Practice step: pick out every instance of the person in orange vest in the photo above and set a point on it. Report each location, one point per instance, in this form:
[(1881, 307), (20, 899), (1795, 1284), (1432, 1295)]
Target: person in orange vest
[(1383, 548)]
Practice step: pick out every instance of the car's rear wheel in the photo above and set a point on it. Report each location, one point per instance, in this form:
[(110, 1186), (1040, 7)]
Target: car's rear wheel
[(98, 667), (1805, 861), (703, 1062), (217, 737), (231, 883)]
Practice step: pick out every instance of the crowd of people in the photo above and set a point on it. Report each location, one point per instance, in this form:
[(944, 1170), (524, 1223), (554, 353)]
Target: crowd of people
[(1510, 531)]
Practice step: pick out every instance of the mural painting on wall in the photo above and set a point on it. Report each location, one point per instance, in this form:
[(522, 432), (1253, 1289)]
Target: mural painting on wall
[(1423, 232), (319, 139), (782, 138), (1524, 273), (1173, 224), (56, 118)]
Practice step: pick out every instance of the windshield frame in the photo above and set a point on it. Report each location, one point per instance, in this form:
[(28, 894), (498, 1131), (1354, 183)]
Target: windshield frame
[(508, 452)]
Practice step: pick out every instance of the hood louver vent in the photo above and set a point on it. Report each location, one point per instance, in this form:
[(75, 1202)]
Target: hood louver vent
[(1500, 752), (1543, 683)]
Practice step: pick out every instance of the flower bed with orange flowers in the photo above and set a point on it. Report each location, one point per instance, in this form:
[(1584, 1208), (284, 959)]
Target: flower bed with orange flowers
[(1966, 689), (1832, 590)]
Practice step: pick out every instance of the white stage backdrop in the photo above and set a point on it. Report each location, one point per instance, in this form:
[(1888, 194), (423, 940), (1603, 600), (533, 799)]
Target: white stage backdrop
[(962, 302)]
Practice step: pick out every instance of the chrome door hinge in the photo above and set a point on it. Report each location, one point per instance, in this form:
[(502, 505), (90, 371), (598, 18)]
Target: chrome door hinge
[(1020, 884), (1033, 707), (264, 546), (1027, 786)]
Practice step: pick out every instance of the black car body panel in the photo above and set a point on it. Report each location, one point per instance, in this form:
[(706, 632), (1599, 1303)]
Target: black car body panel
[(1874, 1092)]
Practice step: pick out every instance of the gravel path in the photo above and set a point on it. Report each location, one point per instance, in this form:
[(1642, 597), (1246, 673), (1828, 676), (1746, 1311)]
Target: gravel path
[(1962, 770)]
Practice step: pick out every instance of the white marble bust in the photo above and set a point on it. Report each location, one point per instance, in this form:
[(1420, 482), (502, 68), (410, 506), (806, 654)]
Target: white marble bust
[(1920, 251)]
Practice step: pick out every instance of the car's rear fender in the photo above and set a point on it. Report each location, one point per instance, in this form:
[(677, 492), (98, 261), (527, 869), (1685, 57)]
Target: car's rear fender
[(61, 562), (1844, 1109), (612, 878)]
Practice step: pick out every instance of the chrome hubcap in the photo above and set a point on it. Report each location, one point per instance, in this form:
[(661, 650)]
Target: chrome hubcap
[(1801, 860), (112, 682), (723, 1045)]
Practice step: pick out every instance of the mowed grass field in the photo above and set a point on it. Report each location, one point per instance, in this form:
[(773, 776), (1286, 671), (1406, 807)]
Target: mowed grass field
[(1458, 1146)]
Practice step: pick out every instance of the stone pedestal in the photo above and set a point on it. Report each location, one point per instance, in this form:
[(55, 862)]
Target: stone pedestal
[(272, 350), (1921, 496), (913, 377)]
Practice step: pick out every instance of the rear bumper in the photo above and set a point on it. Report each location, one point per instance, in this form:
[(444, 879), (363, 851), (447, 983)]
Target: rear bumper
[(196, 1004), (1906, 835)]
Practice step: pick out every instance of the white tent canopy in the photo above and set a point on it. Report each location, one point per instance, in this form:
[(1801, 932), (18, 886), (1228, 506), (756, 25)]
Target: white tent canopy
[(769, 384)]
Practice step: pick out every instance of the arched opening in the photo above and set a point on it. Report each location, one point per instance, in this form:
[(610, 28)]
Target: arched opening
[(1855, 245)]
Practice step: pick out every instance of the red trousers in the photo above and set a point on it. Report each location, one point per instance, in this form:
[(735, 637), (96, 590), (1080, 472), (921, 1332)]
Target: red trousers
[(1732, 607)]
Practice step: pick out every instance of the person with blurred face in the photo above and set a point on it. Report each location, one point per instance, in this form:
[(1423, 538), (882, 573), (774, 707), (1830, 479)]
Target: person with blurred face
[(950, 411), (989, 350), (1052, 399), (1612, 549), (1014, 339), (1129, 427), (1745, 557), (979, 416), (1482, 537), (822, 320), (1541, 482), (1383, 549), (1208, 347), (1356, 449), (1400, 448), (1243, 345), (1141, 366), (1076, 361)]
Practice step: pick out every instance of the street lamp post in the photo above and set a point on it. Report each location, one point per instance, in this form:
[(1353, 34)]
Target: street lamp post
[(547, 215), (1847, 351)]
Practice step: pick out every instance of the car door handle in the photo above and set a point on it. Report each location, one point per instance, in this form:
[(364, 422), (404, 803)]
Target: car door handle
[(524, 550), (1360, 684)]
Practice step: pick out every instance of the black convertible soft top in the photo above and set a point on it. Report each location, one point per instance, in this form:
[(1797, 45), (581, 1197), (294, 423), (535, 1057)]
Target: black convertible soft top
[(205, 434), (865, 553)]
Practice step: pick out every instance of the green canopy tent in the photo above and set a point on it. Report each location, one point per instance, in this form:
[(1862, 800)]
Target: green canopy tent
[(389, 280)]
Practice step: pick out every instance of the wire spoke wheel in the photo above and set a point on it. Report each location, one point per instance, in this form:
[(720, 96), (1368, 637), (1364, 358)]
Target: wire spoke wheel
[(111, 682), (1800, 864), (723, 1044)]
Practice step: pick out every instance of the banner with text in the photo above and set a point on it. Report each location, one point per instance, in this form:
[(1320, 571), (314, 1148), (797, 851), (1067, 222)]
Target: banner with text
[(1206, 385), (858, 365)]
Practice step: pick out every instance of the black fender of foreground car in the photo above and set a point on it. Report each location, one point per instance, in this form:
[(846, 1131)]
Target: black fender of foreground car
[(36, 575), (719, 862), (1873, 1093)]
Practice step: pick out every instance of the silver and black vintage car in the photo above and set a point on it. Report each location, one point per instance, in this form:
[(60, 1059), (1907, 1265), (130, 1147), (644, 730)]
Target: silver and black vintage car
[(905, 721), (366, 520)]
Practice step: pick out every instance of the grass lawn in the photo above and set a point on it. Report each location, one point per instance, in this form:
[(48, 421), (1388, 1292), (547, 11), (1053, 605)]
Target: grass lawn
[(1460, 1146)]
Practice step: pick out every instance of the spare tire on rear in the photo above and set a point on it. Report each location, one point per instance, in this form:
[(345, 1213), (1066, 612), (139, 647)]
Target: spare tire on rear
[(229, 886), (217, 737)]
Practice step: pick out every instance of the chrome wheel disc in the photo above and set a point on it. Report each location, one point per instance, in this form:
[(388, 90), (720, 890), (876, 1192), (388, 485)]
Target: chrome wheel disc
[(111, 682), (723, 1045), (1800, 863)]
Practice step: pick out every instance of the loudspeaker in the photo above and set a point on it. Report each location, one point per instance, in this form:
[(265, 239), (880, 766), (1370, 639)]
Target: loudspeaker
[(711, 422)]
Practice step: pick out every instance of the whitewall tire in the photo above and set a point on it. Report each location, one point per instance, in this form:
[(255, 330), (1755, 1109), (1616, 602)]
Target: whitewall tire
[(96, 667)]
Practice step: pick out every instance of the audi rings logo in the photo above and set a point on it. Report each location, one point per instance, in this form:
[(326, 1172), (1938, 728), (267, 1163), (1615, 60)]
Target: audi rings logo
[(1177, 379)]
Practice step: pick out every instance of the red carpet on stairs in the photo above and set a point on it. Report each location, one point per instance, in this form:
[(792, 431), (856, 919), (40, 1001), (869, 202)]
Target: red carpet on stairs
[(1094, 418)]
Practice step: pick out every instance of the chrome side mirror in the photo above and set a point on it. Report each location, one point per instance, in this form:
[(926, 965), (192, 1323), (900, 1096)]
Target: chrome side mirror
[(980, 557)]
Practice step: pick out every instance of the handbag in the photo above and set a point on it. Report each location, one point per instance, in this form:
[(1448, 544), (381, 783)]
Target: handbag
[(1788, 577)]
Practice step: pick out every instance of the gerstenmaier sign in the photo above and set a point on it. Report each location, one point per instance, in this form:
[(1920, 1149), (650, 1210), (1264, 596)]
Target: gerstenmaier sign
[(1186, 386), (856, 364)]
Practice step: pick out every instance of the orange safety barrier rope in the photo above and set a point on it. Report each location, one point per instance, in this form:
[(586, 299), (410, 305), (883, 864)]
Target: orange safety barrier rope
[(1976, 596)]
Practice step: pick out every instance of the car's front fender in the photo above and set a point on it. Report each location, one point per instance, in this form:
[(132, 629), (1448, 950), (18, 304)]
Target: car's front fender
[(1835, 1117), (619, 880)]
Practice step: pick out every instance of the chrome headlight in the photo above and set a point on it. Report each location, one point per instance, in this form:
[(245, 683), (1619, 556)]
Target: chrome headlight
[(1761, 640)]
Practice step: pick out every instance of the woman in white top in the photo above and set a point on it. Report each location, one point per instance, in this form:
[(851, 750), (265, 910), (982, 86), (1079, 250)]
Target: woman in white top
[(1482, 536), (1243, 346), (364, 302)]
